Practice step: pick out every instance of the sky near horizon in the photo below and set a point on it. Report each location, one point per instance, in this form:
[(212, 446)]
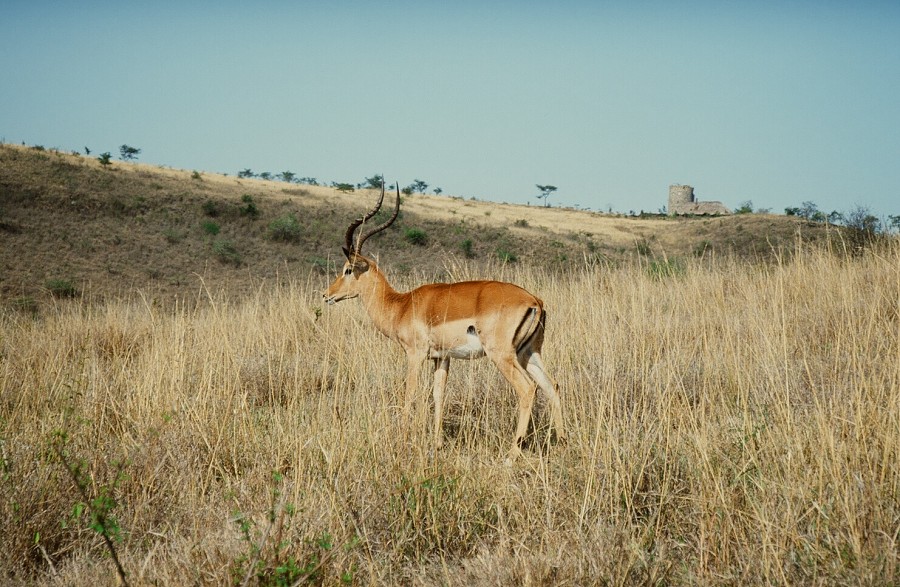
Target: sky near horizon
[(776, 102)]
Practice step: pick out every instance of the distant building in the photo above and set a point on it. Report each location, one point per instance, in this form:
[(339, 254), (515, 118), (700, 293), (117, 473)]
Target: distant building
[(682, 201)]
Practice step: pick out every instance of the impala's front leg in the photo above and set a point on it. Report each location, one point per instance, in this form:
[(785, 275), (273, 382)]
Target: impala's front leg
[(441, 368), (413, 367)]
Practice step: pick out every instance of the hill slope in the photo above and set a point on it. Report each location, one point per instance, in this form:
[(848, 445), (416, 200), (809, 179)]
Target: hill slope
[(107, 230)]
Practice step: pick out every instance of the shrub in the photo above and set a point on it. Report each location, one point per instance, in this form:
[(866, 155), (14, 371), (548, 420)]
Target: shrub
[(745, 208), (416, 236), (702, 247), (225, 251), (172, 235), (285, 228), (105, 158), (249, 208), (468, 248), (210, 208), (61, 288), (521, 222), (210, 227), (643, 247), (506, 256)]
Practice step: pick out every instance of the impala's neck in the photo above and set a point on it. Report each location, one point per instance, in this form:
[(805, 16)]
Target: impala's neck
[(382, 302)]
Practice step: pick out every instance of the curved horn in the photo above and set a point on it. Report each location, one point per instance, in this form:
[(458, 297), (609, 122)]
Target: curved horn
[(390, 220), (355, 224)]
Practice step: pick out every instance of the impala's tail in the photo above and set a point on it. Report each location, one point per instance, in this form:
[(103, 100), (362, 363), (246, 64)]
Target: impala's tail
[(530, 334)]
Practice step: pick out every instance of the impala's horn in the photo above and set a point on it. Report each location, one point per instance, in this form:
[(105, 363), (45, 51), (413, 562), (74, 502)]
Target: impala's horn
[(351, 248)]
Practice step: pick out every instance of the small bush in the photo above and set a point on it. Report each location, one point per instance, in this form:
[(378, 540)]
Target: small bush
[(210, 227), (173, 236), (196, 175), (210, 208), (105, 159), (249, 208), (61, 288), (745, 208), (521, 222), (226, 252), (702, 247), (468, 248), (506, 256), (285, 228), (643, 247), (416, 236)]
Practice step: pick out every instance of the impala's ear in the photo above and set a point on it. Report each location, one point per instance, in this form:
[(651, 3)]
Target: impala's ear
[(360, 264)]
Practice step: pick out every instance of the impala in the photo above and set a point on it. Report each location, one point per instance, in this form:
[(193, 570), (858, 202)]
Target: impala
[(443, 321)]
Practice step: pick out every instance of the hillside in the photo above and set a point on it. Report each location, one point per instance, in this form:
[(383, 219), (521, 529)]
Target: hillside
[(71, 225)]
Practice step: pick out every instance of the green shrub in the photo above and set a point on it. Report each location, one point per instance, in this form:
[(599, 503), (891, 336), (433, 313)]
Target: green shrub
[(285, 228), (468, 248), (210, 208), (643, 247), (61, 288), (249, 208), (506, 256), (225, 251), (172, 235), (210, 227), (416, 236), (702, 247)]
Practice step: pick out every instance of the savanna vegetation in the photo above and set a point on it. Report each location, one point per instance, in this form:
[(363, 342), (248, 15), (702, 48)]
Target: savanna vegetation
[(731, 418), (728, 423)]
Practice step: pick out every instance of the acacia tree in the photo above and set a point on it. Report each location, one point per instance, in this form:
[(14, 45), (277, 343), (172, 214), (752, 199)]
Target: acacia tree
[(418, 186), (546, 190), (127, 153), (374, 182)]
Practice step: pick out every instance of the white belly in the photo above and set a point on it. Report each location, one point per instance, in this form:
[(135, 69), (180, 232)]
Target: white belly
[(468, 347)]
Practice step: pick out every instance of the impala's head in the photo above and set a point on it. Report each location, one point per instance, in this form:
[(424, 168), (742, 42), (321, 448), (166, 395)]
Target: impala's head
[(356, 268)]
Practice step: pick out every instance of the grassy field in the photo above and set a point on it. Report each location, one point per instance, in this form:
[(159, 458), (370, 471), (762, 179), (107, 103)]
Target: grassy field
[(729, 423), (108, 230)]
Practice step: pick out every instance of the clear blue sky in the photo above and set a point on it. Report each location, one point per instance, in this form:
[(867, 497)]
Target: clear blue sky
[(775, 102)]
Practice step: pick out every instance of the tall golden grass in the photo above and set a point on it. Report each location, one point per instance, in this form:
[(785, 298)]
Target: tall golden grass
[(728, 424)]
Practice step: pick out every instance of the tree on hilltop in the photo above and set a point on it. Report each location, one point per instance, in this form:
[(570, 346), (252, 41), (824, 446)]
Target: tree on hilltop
[(546, 190)]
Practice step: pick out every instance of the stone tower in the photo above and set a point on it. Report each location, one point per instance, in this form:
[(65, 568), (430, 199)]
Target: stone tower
[(680, 197), (683, 201)]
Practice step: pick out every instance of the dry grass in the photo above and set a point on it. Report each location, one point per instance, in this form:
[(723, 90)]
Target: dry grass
[(109, 230), (728, 424)]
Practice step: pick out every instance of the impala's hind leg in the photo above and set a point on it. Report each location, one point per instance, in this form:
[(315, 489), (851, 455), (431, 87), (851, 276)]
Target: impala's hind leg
[(441, 368), (517, 376), (537, 370)]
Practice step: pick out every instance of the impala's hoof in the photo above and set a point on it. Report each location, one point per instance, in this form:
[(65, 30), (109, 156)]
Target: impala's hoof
[(512, 456)]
